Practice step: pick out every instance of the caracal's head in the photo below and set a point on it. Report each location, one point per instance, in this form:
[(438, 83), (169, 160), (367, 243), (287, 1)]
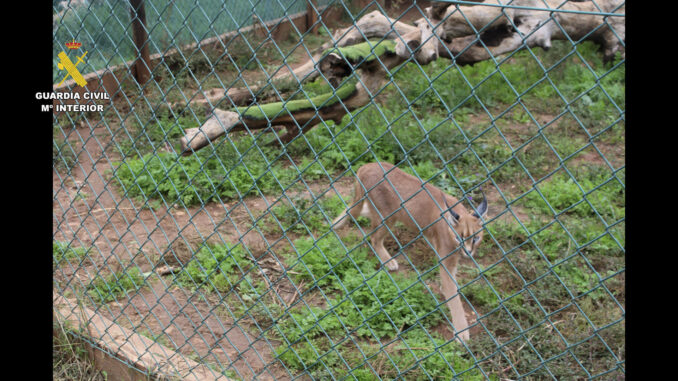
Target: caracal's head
[(467, 228)]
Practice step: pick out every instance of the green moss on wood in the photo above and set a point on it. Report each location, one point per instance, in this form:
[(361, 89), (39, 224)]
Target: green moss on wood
[(272, 110), (367, 51)]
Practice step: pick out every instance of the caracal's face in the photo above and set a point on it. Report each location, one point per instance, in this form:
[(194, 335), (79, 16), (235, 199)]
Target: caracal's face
[(469, 233)]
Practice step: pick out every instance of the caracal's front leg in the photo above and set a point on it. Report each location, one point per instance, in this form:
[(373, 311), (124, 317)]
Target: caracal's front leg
[(448, 270)]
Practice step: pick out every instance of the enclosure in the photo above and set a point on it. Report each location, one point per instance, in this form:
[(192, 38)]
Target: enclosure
[(194, 217)]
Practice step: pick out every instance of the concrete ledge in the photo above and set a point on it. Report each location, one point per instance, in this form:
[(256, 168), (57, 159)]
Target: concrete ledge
[(147, 359)]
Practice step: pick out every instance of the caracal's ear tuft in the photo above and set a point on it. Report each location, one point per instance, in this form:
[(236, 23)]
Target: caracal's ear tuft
[(481, 210), (452, 217)]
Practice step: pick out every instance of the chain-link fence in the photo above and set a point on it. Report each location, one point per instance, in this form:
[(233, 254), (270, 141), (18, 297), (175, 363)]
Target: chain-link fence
[(200, 226)]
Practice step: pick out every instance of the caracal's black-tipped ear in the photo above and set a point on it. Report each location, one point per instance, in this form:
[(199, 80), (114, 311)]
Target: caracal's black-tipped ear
[(452, 217), (481, 210)]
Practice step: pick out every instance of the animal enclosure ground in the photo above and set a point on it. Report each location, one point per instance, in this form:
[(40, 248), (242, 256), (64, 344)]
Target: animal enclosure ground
[(261, 285)]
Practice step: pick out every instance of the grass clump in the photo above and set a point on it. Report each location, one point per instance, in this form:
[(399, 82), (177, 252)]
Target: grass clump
[(70, 357), (303, 215), (323, 261), (65, 251), (231, 171), (586, 193), (107, 288)]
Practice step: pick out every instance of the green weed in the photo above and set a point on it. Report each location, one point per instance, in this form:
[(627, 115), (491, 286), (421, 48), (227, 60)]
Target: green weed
[(232, 171), (107, 288), (325, 260), (215, 267), (64, 251), (588, 192), (303, 215)]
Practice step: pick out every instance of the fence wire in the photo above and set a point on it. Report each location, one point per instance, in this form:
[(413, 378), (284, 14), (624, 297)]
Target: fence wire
[(228, 254)]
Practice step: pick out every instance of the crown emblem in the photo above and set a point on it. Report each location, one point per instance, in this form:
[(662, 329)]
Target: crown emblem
[(73, 45)]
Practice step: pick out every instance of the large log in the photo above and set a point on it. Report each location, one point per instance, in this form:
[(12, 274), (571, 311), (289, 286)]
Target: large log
[(296, 116), (503, 30), (282, 81), (366, 61)]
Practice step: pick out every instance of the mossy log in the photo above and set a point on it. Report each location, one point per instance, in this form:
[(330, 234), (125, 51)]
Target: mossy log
[(360, 75), (338, 63), (296, 116)]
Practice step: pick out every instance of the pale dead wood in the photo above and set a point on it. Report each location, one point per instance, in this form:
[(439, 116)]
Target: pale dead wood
[(373, 25), (508, 29), (408, 44), (429, 41)]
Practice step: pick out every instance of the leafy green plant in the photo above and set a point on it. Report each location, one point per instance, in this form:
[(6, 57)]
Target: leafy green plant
[(323, 261), (420, 356), (203, 177), (384, 305), (215, 267), (304, 214)]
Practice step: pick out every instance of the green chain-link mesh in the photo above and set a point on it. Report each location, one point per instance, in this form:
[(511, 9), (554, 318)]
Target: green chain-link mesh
[(228, 256)]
